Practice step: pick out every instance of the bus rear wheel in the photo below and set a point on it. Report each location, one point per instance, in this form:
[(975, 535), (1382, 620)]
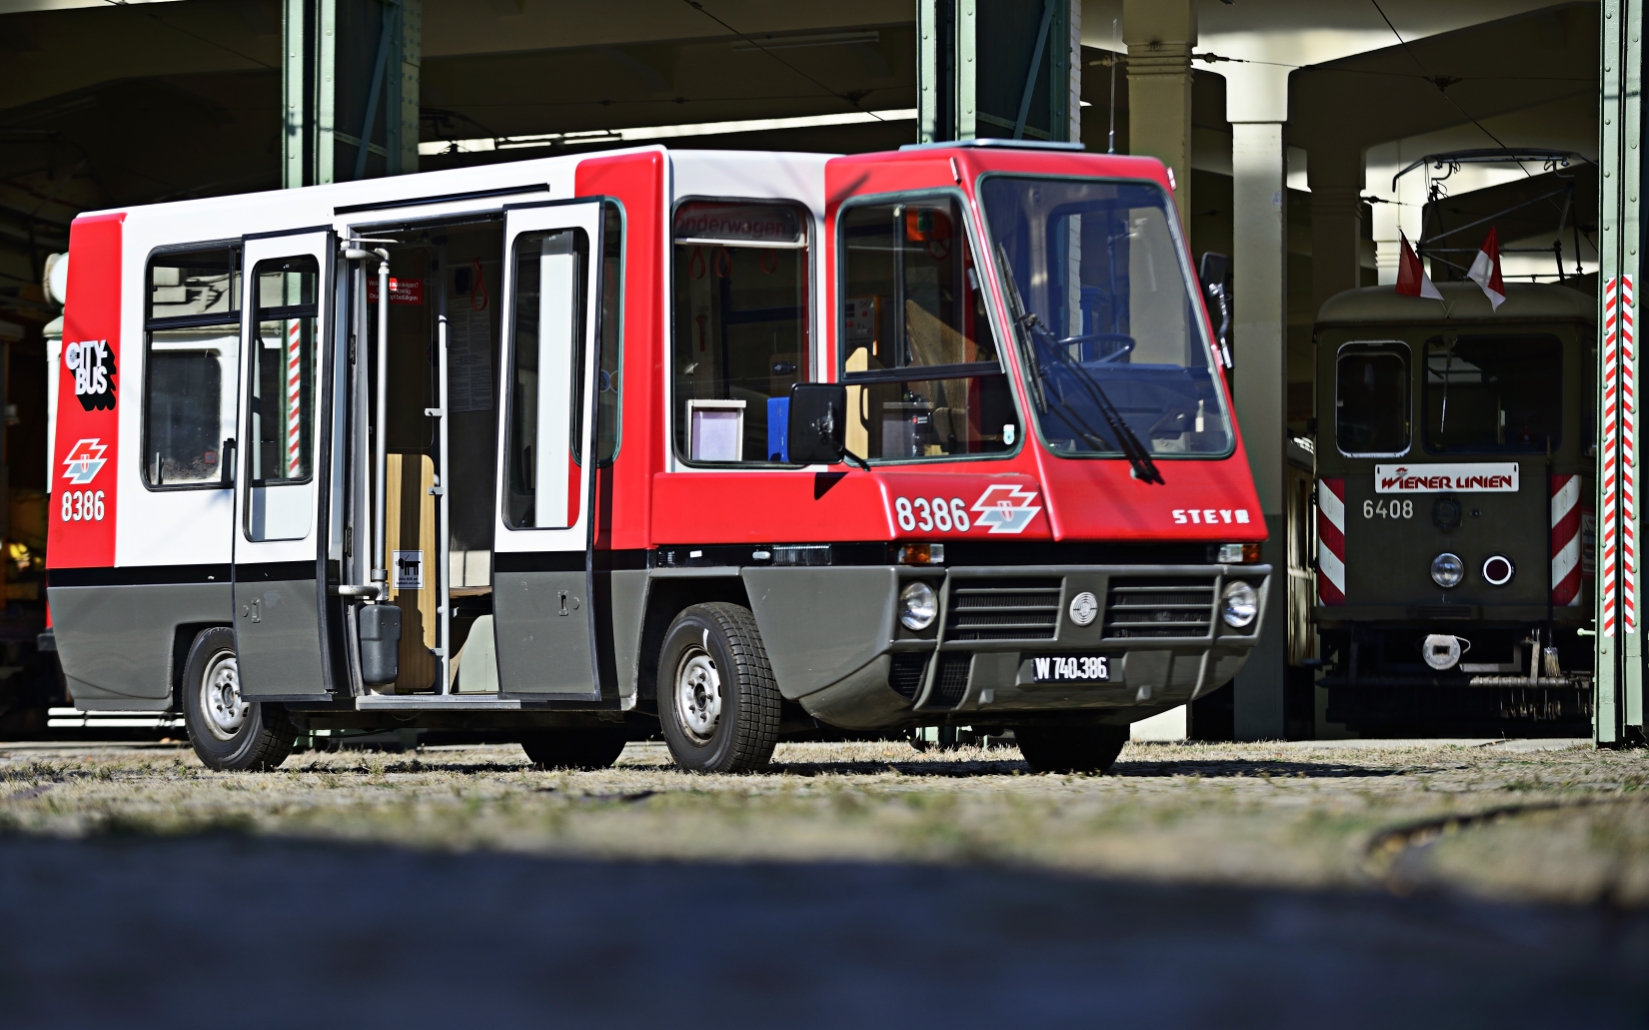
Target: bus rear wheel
[(228, 731), (574, 748), (1070, 749), (717, 701)]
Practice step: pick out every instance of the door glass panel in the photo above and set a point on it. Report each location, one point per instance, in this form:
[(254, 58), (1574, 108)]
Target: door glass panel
[(280, 423), (1371, 399), (546, 379)]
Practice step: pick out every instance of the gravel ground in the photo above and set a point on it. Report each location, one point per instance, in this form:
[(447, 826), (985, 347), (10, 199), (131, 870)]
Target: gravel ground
[(1251, 884)]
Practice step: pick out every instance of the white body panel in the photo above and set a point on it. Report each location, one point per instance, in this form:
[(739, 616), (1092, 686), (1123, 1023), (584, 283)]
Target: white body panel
[(189, 527)]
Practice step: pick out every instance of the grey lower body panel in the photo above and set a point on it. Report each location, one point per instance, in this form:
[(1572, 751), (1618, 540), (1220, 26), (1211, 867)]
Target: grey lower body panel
[(837, 648), (116, 642), (544, 632)]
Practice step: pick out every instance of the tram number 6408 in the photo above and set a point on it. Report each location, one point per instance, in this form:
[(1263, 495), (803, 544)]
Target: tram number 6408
[(83, 506), (1388, 509)]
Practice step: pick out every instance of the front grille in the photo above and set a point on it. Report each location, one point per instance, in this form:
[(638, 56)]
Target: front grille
[(952, 682), (1159, 606), (1003, 609), (905, 677)]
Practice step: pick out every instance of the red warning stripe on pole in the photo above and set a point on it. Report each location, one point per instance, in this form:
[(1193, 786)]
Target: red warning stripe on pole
[(1609, 487), (1628, 456)]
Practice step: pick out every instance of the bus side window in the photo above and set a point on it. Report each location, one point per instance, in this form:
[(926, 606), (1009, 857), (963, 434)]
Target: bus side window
[(741, 339), (910, 302), (1371, 398), (191, 355)]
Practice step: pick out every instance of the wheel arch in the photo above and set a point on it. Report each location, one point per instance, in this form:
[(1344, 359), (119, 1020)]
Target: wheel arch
[(667, 598), (183, 638)]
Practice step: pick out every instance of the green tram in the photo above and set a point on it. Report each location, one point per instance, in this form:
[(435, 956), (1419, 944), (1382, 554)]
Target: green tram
[(1455, 459)]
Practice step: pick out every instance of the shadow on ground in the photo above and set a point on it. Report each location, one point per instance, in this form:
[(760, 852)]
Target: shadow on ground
[(226, 930)]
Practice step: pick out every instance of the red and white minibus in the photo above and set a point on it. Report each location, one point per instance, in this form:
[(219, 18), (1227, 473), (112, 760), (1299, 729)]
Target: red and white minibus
[(723, 445)]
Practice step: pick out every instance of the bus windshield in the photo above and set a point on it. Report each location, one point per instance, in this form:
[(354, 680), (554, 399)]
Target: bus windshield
[(1101, 297)]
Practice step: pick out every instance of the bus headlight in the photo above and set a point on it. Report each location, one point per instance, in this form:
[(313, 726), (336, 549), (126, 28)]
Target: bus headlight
[(1447, 570), (1239, 605), (918, 606)]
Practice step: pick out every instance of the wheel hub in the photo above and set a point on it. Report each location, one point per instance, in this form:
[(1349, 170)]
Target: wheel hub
[(698, 694), (220, 697)]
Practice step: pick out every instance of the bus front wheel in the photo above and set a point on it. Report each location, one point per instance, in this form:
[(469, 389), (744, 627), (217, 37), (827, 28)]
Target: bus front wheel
[(228, 731), (718, 704)]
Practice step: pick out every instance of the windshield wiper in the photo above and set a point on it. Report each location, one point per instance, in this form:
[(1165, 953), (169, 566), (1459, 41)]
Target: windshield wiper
[(1139, 458)]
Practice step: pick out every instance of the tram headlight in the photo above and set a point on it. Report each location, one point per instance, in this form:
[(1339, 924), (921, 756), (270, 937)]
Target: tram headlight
[(918, 606), (1240, 605), (1447, 570)]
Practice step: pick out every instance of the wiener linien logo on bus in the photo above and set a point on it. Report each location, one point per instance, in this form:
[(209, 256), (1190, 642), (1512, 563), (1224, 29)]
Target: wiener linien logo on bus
[(1467, 477), (92, 364), (85, 460)]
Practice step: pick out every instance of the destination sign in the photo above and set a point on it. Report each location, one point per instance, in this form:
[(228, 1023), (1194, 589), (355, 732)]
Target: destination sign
[(1496, 477)]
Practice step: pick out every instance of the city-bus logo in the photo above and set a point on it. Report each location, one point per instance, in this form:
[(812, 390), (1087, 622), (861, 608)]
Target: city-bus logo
[(85, 460), (92, 364), (1006, 509)]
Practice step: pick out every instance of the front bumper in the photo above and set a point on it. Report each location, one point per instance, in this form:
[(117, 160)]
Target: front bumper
[(1159, 626)]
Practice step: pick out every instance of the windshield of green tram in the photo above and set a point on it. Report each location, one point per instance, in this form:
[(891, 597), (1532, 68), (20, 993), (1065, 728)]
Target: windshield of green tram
[(1106, 314)]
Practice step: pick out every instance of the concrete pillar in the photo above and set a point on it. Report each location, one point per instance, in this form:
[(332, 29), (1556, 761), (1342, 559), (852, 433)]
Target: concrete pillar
[(1336, 177), (1159, 35), (1257, 107)]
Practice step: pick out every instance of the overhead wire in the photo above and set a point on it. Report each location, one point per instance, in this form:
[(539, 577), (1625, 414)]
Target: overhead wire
[(1440, 86), (695, 5), (196, 36)]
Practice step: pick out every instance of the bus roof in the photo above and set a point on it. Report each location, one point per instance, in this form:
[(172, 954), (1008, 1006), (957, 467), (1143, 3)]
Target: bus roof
[(1461, 301)]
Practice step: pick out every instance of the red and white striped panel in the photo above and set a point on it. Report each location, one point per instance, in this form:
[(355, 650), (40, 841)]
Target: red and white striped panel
[(1331, 541), (1628, 457), (294, 397), (1566, 570), (1609, 438)]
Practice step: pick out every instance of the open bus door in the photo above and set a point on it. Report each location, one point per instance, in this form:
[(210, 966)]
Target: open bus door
[(280, 641), (542, 615)]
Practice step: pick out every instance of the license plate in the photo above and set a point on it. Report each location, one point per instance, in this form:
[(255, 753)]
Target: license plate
[(1083, 668)]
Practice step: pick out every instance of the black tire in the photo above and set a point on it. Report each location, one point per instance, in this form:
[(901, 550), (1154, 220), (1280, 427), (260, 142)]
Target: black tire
[(717, 702), (1070, 749), (596, 748), (258, 738)]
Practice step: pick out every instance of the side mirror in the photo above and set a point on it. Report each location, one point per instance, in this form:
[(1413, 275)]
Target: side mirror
[(818, 422)]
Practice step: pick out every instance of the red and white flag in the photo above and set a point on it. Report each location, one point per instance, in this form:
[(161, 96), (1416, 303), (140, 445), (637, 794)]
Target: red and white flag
[(1485, 270), (1412, 280)]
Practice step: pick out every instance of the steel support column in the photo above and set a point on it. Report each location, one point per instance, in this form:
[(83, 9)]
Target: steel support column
[(1026, 84), (1618, 701), (349, 86)]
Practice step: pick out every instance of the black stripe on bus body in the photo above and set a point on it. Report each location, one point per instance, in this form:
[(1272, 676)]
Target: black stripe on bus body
[(274, 571), (141, 575), (504, 562), (390, 205)]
